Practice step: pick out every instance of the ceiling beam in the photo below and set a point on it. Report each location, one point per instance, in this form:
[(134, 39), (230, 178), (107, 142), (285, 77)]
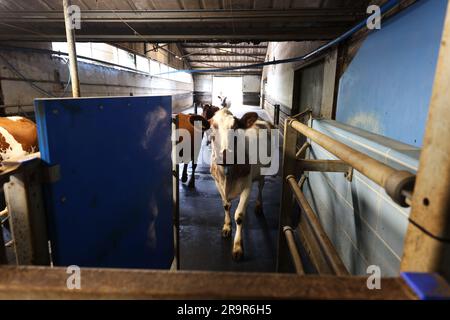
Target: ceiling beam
[(103, 37), (189, 16), (226, 61), (231, 54), (224, 46)]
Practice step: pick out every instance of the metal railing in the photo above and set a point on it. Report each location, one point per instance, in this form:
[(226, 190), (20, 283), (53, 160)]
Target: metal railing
[(397, 183)]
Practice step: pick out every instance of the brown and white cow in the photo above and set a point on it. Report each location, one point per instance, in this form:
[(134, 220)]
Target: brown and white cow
[(18, 137), (186, 122), (235, 180)]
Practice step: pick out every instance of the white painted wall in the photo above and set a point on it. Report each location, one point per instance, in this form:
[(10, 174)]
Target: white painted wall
[(51, 74), (280, 77)]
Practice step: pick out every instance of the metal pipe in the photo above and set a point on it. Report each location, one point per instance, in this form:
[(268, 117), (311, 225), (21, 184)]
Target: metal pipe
[(289, 233), (301, 152), (394, 181), (325, 243), (70, 35)]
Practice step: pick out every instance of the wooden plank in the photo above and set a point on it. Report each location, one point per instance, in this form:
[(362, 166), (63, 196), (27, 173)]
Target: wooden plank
[(427, 242), (50, 283)]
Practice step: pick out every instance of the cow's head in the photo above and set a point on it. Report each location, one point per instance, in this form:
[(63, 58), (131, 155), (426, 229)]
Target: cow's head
[(209, 111), (224, 127)]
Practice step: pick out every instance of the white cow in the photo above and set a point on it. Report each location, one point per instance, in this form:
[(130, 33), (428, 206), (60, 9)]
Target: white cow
[(225, 102), (233, 180)]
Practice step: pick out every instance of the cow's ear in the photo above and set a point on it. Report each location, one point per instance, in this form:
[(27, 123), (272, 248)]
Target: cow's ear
[(248, 120), (195, 117)]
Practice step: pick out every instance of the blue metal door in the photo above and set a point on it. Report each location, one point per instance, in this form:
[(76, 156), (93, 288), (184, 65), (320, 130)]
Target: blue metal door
[(111, 205)]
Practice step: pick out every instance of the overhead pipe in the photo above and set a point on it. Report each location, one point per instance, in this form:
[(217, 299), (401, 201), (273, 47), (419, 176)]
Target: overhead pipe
[(71, 45)]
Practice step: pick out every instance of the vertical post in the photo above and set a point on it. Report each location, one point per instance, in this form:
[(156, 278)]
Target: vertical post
[(276, 117), (70, 35), (2, 248), (23, 194), (287, 203), (427, 241), (176, 195)]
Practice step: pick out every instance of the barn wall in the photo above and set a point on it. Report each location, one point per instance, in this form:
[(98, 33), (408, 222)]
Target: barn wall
[(51, 73), (203, 88), (251, 88), (387, 86), (279, 87)]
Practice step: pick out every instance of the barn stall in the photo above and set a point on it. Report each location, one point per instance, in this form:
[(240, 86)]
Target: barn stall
[(362, 121)]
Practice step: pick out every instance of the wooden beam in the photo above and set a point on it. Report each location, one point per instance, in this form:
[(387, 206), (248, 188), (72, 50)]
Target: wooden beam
[(50, 283), (427, 241)]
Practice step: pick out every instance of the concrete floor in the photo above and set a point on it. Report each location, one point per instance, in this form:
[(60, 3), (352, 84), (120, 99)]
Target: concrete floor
[(201, 218)]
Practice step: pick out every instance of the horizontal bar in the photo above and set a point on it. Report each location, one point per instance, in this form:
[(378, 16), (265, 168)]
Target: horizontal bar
[(224, 46), (50, 283), (394, 181), (289, 234), (224, 61), (324, 165), (229, 54), (325, 243), (188, 16)]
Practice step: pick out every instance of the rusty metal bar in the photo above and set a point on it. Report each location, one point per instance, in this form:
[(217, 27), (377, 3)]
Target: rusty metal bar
[(324, 165), (50, 283), (301, 152), (71, 46), (286, 203), (325, 243), (427, 241), (289, 234), (394, 181)]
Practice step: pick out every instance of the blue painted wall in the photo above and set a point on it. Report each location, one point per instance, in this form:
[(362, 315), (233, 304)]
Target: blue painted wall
[(387, 87)]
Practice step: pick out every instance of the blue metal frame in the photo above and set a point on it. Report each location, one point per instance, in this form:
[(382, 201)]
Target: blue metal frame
[(427, 286), (112, 205)]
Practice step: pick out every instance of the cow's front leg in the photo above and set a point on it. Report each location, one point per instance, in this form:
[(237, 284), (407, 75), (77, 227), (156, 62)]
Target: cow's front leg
[(191, 183), (184, 174), (239, 215), (226, 229), (259, 201)]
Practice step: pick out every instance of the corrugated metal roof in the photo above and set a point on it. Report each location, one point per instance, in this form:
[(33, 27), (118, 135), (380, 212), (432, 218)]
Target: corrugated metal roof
[(214, 33)]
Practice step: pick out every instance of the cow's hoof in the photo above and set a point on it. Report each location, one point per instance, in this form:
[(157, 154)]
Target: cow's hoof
[(226, 231), (191, 184), (183, 179), (258, 209), (237, 254)]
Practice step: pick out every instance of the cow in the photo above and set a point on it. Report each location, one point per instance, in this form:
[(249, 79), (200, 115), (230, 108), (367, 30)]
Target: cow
[(208, 112), (235, 180), (224, 101), (18, 137), (186, 122)]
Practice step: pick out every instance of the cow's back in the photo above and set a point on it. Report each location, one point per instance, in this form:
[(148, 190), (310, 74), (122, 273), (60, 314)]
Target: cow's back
[(18, 137)]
